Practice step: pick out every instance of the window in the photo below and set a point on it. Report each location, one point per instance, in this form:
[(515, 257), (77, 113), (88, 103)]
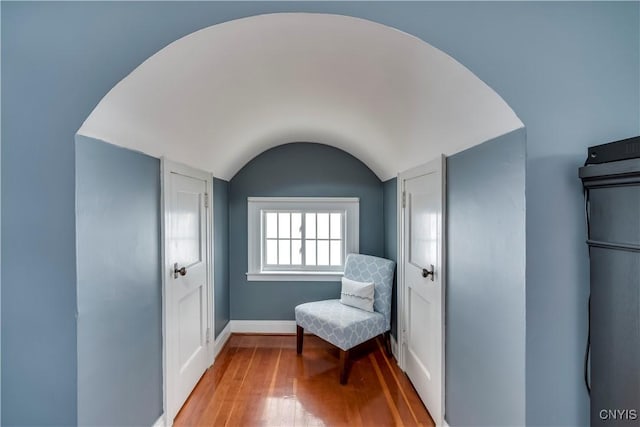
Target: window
[(300, 238)]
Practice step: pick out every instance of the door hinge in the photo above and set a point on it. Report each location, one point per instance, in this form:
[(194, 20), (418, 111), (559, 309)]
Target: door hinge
[(208, 335), (404, 199), (206, 200)]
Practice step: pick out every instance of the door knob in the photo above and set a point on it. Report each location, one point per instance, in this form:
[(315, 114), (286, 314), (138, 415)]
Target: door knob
[(427, 273), (181, 271)]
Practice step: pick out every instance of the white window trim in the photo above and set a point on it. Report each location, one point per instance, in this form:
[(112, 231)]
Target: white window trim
[(351, 205)]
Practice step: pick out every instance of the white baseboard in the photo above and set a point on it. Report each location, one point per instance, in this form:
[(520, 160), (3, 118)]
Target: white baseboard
[(394, 347), (159, 422), (221, 340), (263, 326)]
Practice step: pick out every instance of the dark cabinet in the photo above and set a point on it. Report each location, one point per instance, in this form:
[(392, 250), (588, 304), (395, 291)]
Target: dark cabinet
[(614, 245)]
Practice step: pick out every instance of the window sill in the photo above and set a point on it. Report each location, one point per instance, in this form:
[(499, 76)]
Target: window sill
[(295, 276)]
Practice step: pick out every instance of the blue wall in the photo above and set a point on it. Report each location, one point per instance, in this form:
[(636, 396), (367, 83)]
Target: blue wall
[(296, 170), (119, 285), (390, 216), (221, 254), (569, 70), (40, 114), (485, 292), (583, 90)]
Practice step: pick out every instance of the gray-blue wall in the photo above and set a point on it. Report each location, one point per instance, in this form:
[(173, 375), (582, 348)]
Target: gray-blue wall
[(390, 216), (583, 90), (119, 285), (485, 292), (40, 114), (221, 254), (570, 71), (296, 170)]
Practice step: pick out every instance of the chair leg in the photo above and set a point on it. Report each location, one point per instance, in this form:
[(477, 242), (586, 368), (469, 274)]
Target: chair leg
[(299, 338), (344, 366)]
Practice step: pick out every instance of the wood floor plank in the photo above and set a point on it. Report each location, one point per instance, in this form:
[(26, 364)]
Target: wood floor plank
[(259, 380), (393, 375)]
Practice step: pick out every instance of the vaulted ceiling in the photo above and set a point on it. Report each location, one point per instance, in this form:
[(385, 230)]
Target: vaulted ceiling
[(222, 95)]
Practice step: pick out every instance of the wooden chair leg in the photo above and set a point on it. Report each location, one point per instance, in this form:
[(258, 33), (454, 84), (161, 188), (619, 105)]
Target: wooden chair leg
[(299, 338), (344, 366)]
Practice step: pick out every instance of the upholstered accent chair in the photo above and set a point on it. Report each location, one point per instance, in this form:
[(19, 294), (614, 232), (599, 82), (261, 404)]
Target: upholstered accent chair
[(345, 326)]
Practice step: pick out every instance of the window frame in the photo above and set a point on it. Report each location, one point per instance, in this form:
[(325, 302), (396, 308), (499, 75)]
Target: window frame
[(257, 206)]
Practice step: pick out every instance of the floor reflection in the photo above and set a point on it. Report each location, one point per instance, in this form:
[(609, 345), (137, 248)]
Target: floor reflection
[(283, 411)]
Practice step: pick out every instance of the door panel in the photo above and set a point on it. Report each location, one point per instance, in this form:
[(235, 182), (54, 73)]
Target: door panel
[(191, 320), (188, 236), (187, 240), (187, 297), (423, 293), (422, 228), (420, 312)]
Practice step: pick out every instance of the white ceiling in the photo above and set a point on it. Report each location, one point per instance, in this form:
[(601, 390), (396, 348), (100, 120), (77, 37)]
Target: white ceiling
[(222, 95)]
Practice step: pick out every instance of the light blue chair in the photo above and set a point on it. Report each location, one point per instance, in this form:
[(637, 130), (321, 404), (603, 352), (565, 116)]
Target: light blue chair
[(345, 326)]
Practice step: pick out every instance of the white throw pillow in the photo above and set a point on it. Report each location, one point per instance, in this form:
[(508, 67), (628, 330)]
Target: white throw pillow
[(357, 294)]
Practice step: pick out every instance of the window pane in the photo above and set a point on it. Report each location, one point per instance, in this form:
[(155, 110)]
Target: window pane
[(323, 251), (271, 225), (323, 226), (272, 252), (336, 252), (284, 252), (296, 252), (310, 252), (284, 224), (296, 225), (310, 227), (336, 226)]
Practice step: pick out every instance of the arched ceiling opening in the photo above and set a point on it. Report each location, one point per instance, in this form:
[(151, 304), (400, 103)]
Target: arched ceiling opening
[(220, 96)]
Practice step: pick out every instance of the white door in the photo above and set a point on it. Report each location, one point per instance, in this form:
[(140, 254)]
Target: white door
[(187, 296), (423, 293)]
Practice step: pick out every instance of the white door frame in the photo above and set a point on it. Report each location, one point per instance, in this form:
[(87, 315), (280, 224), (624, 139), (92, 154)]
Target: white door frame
[(166, 168), (400, 320)]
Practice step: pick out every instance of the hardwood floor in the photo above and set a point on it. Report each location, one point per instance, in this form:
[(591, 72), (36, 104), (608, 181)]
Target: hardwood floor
[(258, 380)]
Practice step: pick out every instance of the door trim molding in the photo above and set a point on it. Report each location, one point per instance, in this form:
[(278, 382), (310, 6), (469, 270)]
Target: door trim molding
[(400, 320), (159, 422), (394, 348), (221, 340), (167, 167)]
